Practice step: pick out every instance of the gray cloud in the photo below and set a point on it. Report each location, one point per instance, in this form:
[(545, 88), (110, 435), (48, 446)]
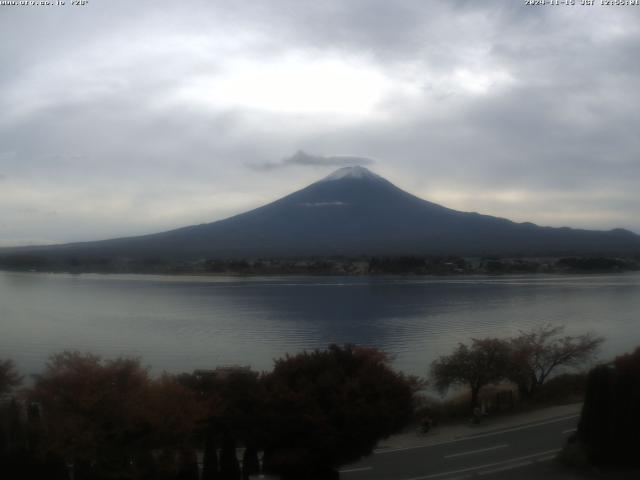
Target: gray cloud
[(153, 123), (303, 159)]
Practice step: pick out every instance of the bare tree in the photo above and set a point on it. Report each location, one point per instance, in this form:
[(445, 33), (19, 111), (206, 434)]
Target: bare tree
[(537, 353), (9, 377), (483, 363)]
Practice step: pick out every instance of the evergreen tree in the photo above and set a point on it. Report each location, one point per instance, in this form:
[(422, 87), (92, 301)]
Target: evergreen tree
[(594, 426), (187, 465), (250, 462), (145, 466), (167, 465), (210, 458), (229, 466)]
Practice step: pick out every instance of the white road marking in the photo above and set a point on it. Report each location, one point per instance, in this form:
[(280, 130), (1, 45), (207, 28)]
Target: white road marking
[(505, 468), (487, 465), (471, 452), (359, 469), (570, 430), (546, 459), (482, 435), (518, 465)]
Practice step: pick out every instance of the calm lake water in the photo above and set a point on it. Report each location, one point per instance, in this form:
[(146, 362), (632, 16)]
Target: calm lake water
[(183, 323)]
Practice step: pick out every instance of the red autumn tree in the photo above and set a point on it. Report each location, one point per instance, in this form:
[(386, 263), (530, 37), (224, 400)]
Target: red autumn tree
[(330, 407)]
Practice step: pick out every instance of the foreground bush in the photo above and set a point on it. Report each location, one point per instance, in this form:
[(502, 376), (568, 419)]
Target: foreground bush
[(328, 408), (564, 388), (92, 419)]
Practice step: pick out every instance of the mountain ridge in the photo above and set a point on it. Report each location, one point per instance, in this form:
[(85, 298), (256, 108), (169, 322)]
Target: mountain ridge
[(353, 212)]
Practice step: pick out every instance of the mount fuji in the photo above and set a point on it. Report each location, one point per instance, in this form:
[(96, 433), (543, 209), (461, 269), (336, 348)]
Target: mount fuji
[(353, 212)]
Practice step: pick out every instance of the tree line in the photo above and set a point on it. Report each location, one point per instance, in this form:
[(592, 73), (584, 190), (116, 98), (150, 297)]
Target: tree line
[(88, 418), (363, 265)]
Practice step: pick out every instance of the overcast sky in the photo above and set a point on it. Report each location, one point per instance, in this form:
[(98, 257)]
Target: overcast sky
[(128, 117)]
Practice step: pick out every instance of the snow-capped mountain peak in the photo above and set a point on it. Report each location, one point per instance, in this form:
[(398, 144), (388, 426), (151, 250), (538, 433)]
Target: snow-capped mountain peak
[(356, 172)]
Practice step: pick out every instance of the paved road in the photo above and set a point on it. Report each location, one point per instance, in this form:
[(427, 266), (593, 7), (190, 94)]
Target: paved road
[(489, 455)]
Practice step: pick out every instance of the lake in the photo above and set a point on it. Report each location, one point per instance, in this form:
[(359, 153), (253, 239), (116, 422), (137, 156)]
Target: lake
[(183, 323)]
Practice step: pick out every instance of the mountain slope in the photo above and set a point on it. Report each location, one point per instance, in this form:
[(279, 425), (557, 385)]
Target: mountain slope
[(355, 212)]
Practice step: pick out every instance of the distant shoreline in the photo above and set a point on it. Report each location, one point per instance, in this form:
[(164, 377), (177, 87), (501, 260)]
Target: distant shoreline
[(412, 266)]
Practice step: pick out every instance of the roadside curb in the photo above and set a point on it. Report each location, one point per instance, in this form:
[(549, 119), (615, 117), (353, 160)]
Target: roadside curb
[(460, 432), (522, 425)]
